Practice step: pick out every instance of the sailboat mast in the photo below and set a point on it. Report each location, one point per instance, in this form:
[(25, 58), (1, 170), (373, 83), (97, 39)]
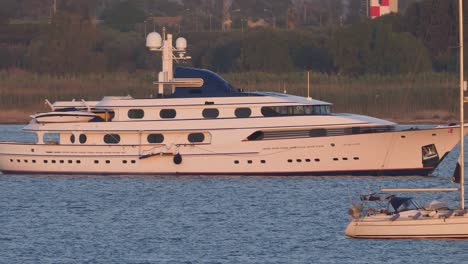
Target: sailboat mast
[(462, 84)]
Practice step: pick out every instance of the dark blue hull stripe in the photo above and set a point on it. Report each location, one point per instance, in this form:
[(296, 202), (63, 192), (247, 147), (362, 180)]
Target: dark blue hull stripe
[(403, 172)]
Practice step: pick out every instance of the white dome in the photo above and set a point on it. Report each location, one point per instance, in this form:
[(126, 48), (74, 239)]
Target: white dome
[(153, 41), (181, 43)]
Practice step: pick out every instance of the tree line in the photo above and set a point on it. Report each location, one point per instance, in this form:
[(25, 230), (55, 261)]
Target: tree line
[(418, 40)]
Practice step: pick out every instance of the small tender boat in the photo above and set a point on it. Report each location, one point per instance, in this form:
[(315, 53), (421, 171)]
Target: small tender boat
[(64, 117)]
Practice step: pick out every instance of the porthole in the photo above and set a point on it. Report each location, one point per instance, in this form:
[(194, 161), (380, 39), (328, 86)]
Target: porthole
[(356, 158), (25, 161), (124, 161), (72, 138), (298, 160), (196, 137), (61, 161), (53, 161), (263, 161), (112, 138), (33, 161), (332, 144), (167, 113), (83, 138), (403, 136), (133, 161), (18, 160), (236, 162), (45, 161), (345, 158), (78, 161), (249, 162), (243, 112), (155, 138), (210, 113), (70, 161), (290, 160), (11, 160), (136, 113), (307, 160), (96, 161), (317, 160), (107, 161), (336, 159)]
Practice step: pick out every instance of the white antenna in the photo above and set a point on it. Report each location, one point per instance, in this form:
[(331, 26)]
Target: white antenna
[(156, 42)]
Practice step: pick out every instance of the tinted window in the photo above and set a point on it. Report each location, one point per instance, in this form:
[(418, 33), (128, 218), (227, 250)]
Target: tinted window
[(83, 138), (243, 112), (196, 137), (136, 113), (210, 113), (112, 139), (72, 138), (318, 132), (258, 135), (155, 138), (167, 113), (269, 111)]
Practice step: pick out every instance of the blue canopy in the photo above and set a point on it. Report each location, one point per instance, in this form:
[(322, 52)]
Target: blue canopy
[(213, 84)]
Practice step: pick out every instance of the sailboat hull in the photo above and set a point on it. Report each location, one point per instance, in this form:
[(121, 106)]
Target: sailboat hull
[(381, 226)]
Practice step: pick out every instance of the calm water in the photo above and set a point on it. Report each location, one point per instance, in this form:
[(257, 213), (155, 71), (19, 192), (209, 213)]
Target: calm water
[(200, 220)]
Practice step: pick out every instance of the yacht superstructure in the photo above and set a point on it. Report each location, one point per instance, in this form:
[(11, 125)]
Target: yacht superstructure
[(199, 124)]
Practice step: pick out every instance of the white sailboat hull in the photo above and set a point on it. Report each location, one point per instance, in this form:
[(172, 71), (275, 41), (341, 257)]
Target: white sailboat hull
[(405, 227)]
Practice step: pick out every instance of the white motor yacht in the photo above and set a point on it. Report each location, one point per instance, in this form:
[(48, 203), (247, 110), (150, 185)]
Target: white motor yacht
[(196, 123)]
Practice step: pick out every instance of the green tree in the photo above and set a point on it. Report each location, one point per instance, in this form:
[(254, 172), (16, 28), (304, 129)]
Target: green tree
[(67, 46), (7, 10), (123, 16)]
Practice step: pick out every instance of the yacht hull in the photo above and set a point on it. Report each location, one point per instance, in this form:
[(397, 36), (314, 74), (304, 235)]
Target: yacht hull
[(381, 226), (374, 154)]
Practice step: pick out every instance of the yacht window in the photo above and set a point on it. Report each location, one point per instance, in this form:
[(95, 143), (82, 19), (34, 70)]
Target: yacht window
[(51, 138), (196, 137), (167, 113), (269, 111), (257, 135), (155, 138), (243, 112), (72, 138), (318, 132), (112, 139), (210, 113), (83, 138), (136, 113)]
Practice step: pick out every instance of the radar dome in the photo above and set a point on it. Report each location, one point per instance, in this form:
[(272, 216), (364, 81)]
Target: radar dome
[(153, 41), (181, 43)]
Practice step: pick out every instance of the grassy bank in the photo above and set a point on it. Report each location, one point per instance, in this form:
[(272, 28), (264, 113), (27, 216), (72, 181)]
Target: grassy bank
[(428, 97)]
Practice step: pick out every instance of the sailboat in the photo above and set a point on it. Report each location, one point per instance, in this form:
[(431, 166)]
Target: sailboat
[(403, 218)]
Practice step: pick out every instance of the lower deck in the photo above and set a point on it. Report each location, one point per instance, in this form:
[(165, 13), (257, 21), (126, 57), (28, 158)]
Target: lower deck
[(412, 152)]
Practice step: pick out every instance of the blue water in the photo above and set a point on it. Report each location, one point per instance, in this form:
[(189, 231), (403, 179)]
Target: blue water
[(201, 220)]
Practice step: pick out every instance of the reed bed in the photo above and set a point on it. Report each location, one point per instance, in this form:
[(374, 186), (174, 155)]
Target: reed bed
[(403, 97)]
